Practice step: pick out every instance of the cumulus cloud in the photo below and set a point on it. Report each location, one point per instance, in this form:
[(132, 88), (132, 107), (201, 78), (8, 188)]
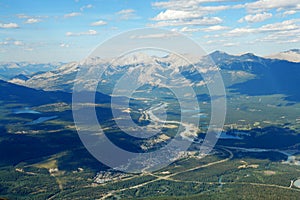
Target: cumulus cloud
[(288, 25), (126, 14), (18, 43), (207, 29), (264, 5), (280, 26), (154, 36), (32, 21), (13, 42), (212, 36), (231, 44), (23, 16), (28, 49), (89, 32), (175, 14), (289, 12), (125, 11), (182, 4), (170, 14), (72, 14), (256, 18), (189, 30), (89, 6), (6, 42), (187, 12), (239, 31), (9, 25), (99, 23), (215, 28), (283, 36), (203, 21), (211, 9), (64, 45)]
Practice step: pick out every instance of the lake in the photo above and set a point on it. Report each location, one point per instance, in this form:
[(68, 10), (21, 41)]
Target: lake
[(224, 135), (41, 120), (297, 183), (25, 111)]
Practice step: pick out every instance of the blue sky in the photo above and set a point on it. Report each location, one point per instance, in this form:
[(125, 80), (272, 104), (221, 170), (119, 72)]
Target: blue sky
[(47, 31)]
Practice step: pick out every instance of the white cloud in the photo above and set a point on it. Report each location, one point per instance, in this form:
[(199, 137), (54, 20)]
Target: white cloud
[(182, 4), (4, 43), (99, 23), (215, 28), (89, 32), (23, 16), (64, 45), (89, 6), (28, 49), (218, 42), (188, 30), (289, 12), (281, 37), (170, 14), (212, 36), (9, 25), (18, 43), (231, 44), (211, 9), (239, 32), (154, 36), (207, 29), (11, 41), (73, 14), (263, 5), (256, 18), (125, 11), (210, 42), (32, 21), (175, 14), (289, 41), (204, 21), (280, 26), (126, 14), (187, 13), (286, 26)]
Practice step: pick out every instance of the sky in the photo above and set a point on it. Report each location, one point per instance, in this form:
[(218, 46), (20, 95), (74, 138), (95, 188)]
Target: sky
[(69, 30)]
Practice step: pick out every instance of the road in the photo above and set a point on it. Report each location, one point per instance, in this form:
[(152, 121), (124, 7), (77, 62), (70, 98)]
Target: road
[(169, 176)]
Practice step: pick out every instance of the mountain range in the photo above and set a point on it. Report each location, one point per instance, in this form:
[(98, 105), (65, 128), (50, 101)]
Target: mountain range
[(257, 151), (11, 70), (245, 74)]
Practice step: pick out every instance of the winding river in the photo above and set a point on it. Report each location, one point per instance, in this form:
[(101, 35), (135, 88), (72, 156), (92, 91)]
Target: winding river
[(190, 130)]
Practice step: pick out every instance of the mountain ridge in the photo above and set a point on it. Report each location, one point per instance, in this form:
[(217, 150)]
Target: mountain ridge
[(9, 70), (268, 76)]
